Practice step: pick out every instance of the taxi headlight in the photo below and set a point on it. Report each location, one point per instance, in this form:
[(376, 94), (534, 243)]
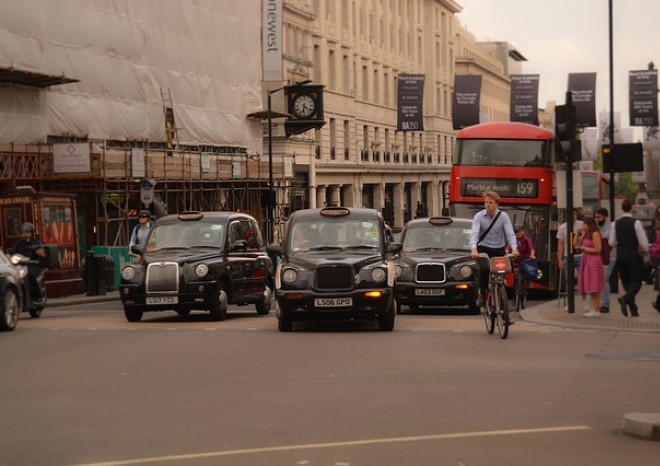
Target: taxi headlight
[(201, 270), (378, 274), (127, 273), (465, 271), (289, 276)]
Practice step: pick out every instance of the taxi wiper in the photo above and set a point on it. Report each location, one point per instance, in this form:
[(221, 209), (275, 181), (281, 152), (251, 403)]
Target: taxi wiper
[(362, 246), (324, 248)]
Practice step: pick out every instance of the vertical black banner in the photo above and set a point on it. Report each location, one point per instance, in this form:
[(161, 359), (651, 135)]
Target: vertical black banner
[(467, 93), (410, 99), (583, 87), (524, 106), (643, 97)]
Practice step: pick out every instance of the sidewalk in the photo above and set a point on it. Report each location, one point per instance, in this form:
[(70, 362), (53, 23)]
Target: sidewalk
[(552, 313), (75, 299)]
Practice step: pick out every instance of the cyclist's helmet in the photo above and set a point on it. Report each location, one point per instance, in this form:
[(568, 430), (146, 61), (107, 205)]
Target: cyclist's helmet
[(518, 227), (145, 213), (27, 226)]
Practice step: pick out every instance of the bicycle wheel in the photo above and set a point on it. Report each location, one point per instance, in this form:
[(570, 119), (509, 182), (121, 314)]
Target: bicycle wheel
[(489, 315), (518, 293), (502, 313)]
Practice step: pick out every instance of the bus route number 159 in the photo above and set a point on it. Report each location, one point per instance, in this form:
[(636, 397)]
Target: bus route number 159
[(526, 189)]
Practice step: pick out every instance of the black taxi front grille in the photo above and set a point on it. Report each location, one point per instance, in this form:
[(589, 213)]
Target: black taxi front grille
[(334, 278), (162, 277), (434, 273)]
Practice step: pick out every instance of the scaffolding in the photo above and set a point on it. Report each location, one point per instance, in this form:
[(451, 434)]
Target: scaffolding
[(189, 178)]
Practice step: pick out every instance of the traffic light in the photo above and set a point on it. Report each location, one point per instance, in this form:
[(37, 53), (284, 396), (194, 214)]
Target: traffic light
[(569, 149)]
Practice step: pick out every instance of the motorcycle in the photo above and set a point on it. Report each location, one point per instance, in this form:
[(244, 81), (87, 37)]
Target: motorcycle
[(32, 271)]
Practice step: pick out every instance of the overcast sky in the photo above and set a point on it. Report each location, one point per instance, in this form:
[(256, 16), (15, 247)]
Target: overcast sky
[(559, 37)]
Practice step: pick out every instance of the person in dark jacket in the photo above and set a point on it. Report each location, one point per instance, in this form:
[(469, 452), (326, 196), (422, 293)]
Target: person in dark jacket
[(630, 239), (30, 247)]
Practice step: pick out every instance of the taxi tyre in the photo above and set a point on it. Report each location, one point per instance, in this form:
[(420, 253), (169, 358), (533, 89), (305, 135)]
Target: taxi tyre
[(10, 311), (386, 321), (218, 306), (183, 312), (133, 313), (474, 308), (284, 322), (266, 303)]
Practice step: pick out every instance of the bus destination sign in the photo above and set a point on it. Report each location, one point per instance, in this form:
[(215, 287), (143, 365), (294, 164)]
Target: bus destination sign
[(512, 188)]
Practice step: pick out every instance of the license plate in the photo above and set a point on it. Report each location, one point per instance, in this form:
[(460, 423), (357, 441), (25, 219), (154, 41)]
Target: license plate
[(429, 292), (162, 299), (333, 302)]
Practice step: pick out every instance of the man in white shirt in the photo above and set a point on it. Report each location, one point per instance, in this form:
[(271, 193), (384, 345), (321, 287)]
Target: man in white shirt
[(629, 238)]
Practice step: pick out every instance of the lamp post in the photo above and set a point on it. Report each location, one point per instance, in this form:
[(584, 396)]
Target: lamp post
[(270, 206)]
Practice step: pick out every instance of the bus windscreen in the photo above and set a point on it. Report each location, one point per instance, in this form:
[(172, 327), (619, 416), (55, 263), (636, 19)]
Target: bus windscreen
[(502, 152)]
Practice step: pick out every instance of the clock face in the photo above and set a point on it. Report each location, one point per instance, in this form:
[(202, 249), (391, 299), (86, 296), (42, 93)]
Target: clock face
[(304, 106)]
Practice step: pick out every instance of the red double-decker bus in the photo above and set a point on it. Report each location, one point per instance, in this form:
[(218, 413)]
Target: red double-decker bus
[(515, 160)]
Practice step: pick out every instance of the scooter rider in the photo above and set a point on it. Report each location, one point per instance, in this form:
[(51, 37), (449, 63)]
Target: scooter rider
[(32, 248)]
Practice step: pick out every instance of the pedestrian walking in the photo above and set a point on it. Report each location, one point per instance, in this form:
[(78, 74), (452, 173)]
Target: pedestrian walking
[(629, 238), (602, 219), (591, 274), (562, 241)]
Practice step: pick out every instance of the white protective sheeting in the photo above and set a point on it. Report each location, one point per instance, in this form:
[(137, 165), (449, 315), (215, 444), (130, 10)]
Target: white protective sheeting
[(124, 52)]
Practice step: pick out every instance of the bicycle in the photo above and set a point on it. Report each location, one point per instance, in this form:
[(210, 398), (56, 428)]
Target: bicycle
[(497, 304), (520, 289)]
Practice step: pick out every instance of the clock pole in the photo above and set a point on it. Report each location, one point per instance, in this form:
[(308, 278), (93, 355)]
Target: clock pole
[(271, 192), (270, 204)]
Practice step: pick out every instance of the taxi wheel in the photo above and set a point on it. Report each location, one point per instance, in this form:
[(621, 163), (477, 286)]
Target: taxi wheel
[(284, 322), (218, 307), (398, 308), (263, 306), (133, 314), (386, 321), (183, 312), (473, 308)]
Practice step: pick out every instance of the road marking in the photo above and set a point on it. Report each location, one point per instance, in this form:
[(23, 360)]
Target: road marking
[(350, 443)]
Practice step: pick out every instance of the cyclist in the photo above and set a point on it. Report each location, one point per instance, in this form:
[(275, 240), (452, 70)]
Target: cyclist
[(491, 231)]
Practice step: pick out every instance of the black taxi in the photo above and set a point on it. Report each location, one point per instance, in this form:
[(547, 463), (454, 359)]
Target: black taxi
[(199, 260), (336, 264), (434, 267)]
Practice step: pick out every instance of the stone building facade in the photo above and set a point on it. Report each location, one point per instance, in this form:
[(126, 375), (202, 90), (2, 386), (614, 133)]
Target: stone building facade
[(357, 49)]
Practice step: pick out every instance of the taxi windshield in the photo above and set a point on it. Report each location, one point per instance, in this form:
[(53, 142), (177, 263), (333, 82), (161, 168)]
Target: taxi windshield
[(322, 235), (431, 237), (185, 236)]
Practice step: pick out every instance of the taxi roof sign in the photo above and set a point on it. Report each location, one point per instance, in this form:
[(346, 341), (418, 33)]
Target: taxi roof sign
[(335, 212)]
